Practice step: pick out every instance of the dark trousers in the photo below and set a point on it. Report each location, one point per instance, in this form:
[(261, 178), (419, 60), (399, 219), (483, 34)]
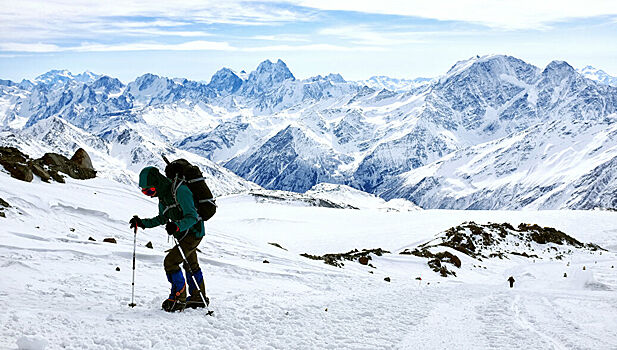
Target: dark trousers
[(174, 258)]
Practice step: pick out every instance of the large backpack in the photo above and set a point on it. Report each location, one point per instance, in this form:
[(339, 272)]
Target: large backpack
[(181, 172)]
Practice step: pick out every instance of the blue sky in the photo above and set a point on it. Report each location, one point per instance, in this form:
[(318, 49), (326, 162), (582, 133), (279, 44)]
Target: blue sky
[(359, 39)]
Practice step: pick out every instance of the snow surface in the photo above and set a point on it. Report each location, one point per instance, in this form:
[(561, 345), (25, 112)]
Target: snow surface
[(60, 290)]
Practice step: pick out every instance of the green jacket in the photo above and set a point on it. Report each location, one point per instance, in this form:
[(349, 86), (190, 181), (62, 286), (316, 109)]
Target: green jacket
[(185, 215)]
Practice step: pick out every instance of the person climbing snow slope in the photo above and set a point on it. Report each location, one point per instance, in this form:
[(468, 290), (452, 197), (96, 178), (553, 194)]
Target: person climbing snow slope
[(179, 215)]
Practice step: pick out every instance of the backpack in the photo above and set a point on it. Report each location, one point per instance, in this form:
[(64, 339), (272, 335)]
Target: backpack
[(181, 172)]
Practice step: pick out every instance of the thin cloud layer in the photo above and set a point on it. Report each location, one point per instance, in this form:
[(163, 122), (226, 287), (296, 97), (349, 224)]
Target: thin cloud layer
[(519, 14)]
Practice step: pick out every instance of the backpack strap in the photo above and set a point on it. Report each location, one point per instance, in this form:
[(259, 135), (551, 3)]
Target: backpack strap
[(174, 190), (209, 200), (195, 180)]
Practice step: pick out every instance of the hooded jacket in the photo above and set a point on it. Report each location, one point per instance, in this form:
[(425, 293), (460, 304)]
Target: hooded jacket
[(184, 215)]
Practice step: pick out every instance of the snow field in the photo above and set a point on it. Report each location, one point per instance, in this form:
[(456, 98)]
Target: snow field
[(61, 290)]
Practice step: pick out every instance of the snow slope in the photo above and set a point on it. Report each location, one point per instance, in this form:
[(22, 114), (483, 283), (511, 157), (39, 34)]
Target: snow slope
[(60, 290)]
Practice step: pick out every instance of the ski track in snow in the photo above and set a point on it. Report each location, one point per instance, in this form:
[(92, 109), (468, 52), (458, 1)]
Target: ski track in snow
[(60, 289)]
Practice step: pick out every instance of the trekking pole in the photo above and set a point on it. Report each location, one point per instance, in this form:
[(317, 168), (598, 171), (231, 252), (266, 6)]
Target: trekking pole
[(132, 304), (201, 293)]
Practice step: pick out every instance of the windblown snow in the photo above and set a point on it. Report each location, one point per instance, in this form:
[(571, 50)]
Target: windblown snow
[(61, 290)]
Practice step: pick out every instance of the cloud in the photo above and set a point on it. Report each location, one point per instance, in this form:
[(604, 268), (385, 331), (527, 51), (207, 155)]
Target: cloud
[(282, 37), (198, 45), (508, 14), (313, 48), (366, 35), (35, 47), (65, 22)]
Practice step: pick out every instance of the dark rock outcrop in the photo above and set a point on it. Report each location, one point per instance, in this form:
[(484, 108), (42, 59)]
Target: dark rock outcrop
[(437, 260), (277, 245), (110, 240), (501, 241), (337, 259), (82, 159), (48, 167), (4, 203)]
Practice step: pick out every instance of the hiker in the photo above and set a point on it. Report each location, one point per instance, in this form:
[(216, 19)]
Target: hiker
[(511, 280), (181, 220)]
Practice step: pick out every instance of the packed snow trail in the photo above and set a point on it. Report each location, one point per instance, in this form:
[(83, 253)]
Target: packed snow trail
[(61, 290)]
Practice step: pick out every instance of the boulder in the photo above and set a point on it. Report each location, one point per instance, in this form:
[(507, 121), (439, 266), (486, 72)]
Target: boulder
[(363, 260), (4, 203), (387, 279), (40, 172), (91, 239), (21, 167), (82, 159), (19, 171), (149, 245), (110, 240), (12, 155)]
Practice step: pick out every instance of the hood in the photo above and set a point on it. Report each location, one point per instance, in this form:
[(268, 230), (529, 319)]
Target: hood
[(151, 177)]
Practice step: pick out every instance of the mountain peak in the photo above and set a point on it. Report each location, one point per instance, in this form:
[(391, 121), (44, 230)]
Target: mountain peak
[(559, 66), (63, 76), (267, 76), (279, 70), (225, 80)]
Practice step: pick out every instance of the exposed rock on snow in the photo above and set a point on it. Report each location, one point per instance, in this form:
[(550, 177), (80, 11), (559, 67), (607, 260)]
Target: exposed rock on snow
[(354, 255), (4, 203), (82, 159), (437, 260), (277, 245), (110, 240), (21, 167), (497, 241)]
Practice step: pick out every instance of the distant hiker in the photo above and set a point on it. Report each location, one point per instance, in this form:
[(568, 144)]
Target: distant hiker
[(179, 215), (511, 280)]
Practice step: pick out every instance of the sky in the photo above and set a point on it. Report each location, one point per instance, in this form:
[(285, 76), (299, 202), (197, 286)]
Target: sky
[(358, 39)]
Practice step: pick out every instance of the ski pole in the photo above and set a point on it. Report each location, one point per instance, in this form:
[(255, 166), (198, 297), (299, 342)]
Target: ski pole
[(201, 293), (132, 304)]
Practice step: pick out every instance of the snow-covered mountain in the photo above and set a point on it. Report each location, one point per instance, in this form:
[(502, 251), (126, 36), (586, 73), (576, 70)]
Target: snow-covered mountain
[(285, 133), (380, 82), (562, 163), (598, 75)]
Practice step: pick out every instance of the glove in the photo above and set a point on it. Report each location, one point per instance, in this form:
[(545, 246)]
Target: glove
[(171, 228), (136, 222)]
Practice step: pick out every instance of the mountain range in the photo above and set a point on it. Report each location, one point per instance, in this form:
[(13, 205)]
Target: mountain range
[(494, 132)]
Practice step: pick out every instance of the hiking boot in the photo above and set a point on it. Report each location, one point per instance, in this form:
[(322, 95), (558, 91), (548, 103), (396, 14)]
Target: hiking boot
[(194, 304), (195, 301), (177, 297), (170, 305)]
